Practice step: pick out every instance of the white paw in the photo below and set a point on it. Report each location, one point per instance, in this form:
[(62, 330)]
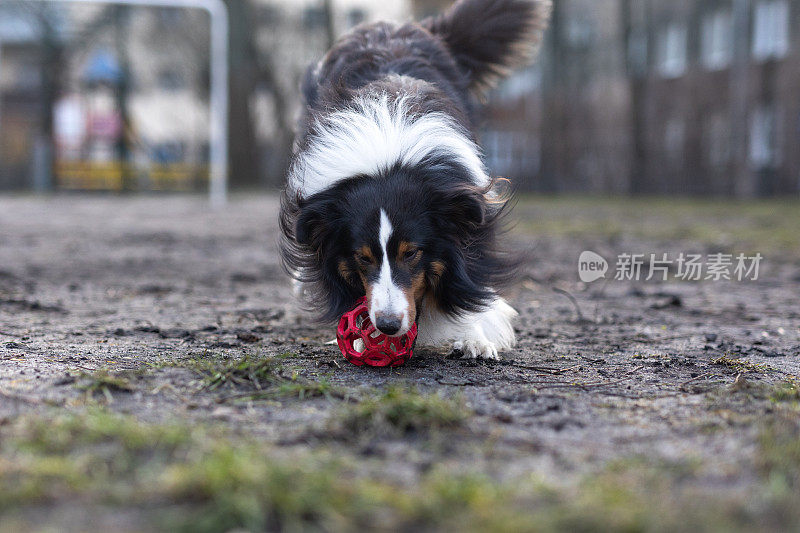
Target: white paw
[(477, 349)]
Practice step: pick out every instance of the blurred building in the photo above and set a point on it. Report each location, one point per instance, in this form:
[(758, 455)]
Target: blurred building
[(428, 8), (629, 96), (721, 96), (641, 96), (123, 92)]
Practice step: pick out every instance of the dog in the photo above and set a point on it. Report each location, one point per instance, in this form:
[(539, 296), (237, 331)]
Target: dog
[(387, 195)]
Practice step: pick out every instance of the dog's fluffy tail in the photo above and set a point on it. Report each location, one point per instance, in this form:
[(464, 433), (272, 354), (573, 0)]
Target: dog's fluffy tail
[(489, 38)]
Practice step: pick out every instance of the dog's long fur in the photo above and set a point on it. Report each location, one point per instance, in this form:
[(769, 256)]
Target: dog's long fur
[(387, 195)]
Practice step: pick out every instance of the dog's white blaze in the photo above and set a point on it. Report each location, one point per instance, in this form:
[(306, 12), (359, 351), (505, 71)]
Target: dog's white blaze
[(373, 135), (388, 298)]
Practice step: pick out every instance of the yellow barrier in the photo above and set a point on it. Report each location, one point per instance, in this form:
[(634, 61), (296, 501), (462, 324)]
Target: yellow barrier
[(110, 176), (82, 175)]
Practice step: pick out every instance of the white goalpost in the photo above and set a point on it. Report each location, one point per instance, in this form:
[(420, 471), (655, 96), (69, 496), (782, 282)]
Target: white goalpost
[(218, 134)]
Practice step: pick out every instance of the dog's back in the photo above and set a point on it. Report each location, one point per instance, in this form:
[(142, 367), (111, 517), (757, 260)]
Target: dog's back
[(461, 53)]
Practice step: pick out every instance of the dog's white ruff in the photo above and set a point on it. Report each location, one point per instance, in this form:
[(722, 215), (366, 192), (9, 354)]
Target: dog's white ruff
[(374, 134)]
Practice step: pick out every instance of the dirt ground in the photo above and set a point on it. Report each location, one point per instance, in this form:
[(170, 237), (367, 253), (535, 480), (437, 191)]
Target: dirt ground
[(160, 311)]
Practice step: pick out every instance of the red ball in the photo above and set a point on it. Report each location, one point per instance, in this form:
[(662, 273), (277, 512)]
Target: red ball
[(374, 348)]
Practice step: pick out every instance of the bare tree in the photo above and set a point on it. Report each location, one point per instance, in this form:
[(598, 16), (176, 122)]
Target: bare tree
[(635, 41), (269, 80), (743, 185), (122, 92), (553, 131), (242, 144), (330, 21), (281, 148), (52, 55)]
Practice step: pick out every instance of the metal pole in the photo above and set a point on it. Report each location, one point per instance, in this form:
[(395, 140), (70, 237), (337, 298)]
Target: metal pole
[(218, 157), (218, 187)]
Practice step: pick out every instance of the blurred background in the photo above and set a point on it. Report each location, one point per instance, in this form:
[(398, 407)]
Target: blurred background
[(686, 97)]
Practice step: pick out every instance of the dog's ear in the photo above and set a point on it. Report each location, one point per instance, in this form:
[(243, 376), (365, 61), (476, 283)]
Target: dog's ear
[(472, 206), (465, 206), (314, 221), (460, 210)]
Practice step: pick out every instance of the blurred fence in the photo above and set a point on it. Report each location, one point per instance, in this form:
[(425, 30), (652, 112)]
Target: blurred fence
[(629, 96), (690, 97)]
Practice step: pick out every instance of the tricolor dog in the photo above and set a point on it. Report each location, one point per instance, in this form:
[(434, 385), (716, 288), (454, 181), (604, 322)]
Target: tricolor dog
[(387, 195)]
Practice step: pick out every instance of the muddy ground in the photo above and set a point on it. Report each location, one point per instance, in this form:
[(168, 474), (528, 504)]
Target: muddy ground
[(143, 307)]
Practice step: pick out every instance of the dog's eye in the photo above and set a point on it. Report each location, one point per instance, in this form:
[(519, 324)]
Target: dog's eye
[(409, 255), (364, 259)]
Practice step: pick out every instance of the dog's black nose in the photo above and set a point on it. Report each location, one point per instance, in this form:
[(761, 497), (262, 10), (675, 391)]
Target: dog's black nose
[(388, 324)]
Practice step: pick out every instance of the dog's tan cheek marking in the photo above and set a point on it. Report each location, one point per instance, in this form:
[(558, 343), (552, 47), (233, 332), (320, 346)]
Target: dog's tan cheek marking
[(436, 270), (430, 299), (367, 287), (344, 271), (414, 294)]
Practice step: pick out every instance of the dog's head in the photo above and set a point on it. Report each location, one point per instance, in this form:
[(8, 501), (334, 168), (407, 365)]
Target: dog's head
[(412, 234)]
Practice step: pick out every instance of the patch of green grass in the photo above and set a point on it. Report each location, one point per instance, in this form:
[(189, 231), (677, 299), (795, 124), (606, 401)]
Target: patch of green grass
[(643, 494), (42, 458), (766, 226), (295, 388), (182, 477), (202, 479), (250, 371), (779, 461), (307, 389), (787, 391), (740, 365), (780, 450), (104, 382), (402, 411), (227, 482), (259, 378)]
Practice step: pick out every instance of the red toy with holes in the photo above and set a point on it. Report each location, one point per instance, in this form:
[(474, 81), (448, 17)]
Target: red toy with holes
[(362, 343)]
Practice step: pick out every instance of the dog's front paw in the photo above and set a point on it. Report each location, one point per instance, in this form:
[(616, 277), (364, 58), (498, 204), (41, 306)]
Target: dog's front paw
[(477, 349)]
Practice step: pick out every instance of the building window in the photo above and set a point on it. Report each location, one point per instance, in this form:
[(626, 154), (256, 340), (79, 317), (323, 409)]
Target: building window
[(579, 32), (314, 17), (717, 140), (523, 83), (771, 29), (269, 15), (672, 51), (169, 152), (717, 40), (637, 53), (355, 17), (170, 80), (674, 136), (764, 151), (170, 17)]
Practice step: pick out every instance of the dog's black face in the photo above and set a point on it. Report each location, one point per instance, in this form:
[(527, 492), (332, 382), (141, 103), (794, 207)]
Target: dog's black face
[(394, 261), (411, 234)]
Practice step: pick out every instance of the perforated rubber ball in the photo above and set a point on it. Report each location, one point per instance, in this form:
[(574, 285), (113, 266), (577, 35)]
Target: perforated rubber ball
[(362, 344)]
